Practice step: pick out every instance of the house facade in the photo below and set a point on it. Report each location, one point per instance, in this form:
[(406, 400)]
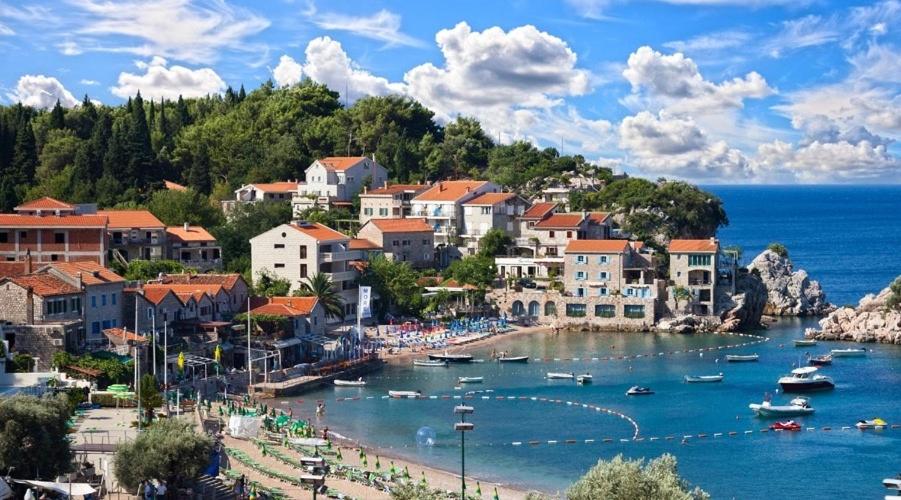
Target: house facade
[(405, 240), (194, 247), (135, 234), (391, 201), (491, 211), (335, 180), (52, 231), (229, 291), (693, 266), (282, 191), (103, 291)]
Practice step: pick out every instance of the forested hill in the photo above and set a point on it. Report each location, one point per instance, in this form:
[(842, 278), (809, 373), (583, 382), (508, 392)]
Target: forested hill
[(119, 155)]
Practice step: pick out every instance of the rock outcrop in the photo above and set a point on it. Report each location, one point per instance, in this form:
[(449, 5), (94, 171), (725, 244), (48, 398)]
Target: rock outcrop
[(790, 292), (743, 310), (871, 321), (688, 323)]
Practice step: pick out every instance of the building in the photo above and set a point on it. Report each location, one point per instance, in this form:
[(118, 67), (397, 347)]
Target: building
[(607, 268), (336, 180), (406, 240), (693, 266), (194, 247), (282, 191), (135, 234), (302, 318), (300, 250), (146, 309), (491, 211), (51, 231), (103, 292), (391, 201), (235, 290)]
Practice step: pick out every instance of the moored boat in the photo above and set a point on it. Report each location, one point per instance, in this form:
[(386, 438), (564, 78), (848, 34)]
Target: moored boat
[(470, 380), (428, 362), (741, 358), (513, 359), (805, 342), (825, 359), (789, 425), (350, 383), (451, 358), (560, 375), (639, 391), (876, 423), (767, 409), (584, 379), (700, 379), (805, 379), (404, 394), (848, 353)]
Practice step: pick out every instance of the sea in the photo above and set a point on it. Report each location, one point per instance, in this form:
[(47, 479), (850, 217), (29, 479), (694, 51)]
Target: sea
[(544, 434)]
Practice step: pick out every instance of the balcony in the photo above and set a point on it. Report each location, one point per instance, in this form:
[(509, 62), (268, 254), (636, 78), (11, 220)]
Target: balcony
[(342, 276), (699, 282), (338, 256)]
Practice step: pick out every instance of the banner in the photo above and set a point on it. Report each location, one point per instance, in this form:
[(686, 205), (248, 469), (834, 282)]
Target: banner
[(364, 307)]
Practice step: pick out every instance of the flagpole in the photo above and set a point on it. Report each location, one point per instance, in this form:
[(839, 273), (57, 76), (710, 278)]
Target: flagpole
[(166, 365), (249, 365), (153, 327), (359, 339)]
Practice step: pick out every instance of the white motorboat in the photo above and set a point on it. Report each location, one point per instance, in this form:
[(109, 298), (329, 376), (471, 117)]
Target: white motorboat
[(767, 409), (805, 342), (805, 379), (470, 380), (741, 358), (701, 379), (560, 375), (428, 362), (639, 391), (350, 383), (513, 359), (876, 423), (584, 379), (451, 358), (848, 353), (405, 394)]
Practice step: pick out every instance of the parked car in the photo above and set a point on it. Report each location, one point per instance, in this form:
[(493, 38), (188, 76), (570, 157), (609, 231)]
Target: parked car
[(527, 283)]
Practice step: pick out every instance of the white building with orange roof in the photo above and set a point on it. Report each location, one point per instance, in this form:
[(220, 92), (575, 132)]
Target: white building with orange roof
[(51, 231), (281, 191), (103, 300), (135, 234), (194, 247), (405, 240), (299, 250), (335, 180), (491, 211), (442, 207), (693, 266), (391, 201)]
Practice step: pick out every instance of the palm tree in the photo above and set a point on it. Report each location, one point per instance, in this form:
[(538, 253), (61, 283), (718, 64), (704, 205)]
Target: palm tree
[(320, 286), (681, 293)]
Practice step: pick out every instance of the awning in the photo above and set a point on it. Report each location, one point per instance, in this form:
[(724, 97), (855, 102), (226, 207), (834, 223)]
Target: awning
[(77, 489), (282, 344)]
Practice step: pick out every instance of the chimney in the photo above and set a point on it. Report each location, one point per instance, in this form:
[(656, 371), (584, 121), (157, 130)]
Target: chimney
[(386, 184), (468, 189), (365, 189), (28, 264), (186, 227), (78, 280), (440, 186), (29, 305)]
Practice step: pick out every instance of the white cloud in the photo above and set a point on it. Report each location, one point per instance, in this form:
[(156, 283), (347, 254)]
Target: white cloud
[(808, 31), (841, 161), (160, 81), (188, 30), (711, 42), (86, 81), (383, 26), (326, 62), (594, 9), (288, 71), (6, 30), (675, 83), (41, 91)]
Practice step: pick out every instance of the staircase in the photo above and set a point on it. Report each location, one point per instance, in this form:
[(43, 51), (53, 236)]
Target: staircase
[(211, 488)]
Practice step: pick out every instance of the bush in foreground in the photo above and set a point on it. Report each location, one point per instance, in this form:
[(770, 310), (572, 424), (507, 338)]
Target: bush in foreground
[(170, 450), (33, 436)]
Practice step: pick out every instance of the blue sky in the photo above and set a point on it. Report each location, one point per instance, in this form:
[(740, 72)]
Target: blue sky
[(758, 91)]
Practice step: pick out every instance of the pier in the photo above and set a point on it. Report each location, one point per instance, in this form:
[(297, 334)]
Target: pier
[(325, 376)]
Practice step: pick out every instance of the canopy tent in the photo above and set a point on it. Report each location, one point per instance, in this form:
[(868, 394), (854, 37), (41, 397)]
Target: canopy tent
[(77, 489)]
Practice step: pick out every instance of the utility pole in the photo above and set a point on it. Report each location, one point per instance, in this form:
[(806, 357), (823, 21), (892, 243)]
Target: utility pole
[(166, 365), (463, 426), (153, 327), (249, 366)]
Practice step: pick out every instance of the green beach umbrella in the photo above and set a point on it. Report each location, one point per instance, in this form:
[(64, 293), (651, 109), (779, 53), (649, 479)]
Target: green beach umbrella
[(362, 455), (339, 456), (423, 480), (378, 464), (496, 496), (393, 470), (478, 489), (406, 472), (365, 462)]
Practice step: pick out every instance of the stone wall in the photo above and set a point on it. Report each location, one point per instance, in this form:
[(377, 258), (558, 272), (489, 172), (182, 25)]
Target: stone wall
[(43, 341), (556, 316), (14, 304)]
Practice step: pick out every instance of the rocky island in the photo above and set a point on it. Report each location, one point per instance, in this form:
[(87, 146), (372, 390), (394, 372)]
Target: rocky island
[(877, 318), (790, 292)]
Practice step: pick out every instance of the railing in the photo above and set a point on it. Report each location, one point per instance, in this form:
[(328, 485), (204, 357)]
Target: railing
[(201, 262), (337, 256), (697, 282), (342, 275)]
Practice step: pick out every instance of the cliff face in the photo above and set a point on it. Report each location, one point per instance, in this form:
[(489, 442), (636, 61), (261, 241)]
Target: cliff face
[(744, 309), (870, 321), (790, 292)]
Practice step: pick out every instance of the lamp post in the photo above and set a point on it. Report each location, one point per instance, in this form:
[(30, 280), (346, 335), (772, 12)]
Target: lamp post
[(463, 426)]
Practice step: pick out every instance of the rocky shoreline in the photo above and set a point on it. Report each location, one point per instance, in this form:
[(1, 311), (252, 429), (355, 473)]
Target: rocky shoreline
[(789, 292), (876, 318)]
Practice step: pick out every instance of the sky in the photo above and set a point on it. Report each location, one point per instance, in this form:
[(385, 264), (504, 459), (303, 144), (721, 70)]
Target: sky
[(712, 91)]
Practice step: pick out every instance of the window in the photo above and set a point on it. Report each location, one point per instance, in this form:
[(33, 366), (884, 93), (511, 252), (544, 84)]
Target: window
[(425, 242), (603, 276), (103, 300), (580, 292), (76, 304), (395, 243), (95, 328), (54, 257), (303, 251), (602, 259), (580, 275), (486, 210), (4, 237), (406, 243), (569, 235), (367, 211), (581, 259), (113, 297), (602, 291), (279, 245), (575, 310), (149, 312), (303, 270), (550, 234), (383, 211), (59, 238), (699, 260), (106, 324), (23, 235), (93, 301), (633, 311), (279, 266), (630, 292), (605, 310)]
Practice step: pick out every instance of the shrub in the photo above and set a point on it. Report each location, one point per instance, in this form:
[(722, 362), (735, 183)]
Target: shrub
[(778, 249), (169, 450)]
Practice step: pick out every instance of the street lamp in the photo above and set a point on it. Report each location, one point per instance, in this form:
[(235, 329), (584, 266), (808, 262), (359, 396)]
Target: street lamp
[(463, 426)]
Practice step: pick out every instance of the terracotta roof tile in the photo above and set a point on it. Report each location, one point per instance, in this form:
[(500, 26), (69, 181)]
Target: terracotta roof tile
[(598, 217), (410, 225), (120, 336), (228, 281), (490, 198), (319, 232), (16, 220), (597, 246), (277, 187), (157, 295), (341, 163), (561, 221), (194, 233), (92, 273), (45, 203), (45, 285), (174, 186), (131, 219), (392, 189), (450, 190), (701, 246), (12, 269), (287, 306), (539, 210), (362, 244), (179, 289)]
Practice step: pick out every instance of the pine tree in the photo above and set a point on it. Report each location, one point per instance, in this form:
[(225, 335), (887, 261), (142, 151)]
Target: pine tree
[(241, 94), (25, 156), (230, 97), (197, 175), (57, 117), (151, 115), (140, 152), (182, 117)]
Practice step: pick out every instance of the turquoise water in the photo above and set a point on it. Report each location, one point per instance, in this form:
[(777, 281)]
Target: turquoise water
[(836, 464)]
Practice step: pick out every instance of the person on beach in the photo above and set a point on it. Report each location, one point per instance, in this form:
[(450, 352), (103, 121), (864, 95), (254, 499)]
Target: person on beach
[(149, 491)]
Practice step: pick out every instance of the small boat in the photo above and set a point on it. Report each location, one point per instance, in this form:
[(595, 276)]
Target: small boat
[(790, 425), (584, 379), (559, 375), (805, 342), (513, 359), (639, 391), (805, 379), (848, 353), (800, 401), (700, 379), (766, 409), (452, 358), (825, 359), (470, 380), (741, 358), (428, 362), (350, 383), (893, 483), (405, 394), (876, 423)]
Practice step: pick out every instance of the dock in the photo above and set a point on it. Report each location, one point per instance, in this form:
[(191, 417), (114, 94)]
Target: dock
[(298, 385)]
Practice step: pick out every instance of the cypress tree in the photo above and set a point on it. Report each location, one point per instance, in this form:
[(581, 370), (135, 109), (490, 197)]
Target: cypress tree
[(182, 117), (57, 117), (140, 151), (25, 156), (241, 94)]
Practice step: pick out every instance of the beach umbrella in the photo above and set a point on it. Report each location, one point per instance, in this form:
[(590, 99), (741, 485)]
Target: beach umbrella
[(378, 464), (217, 353), (406, 472), (496, 496), (339, 456), (478, 489), (362, 455), (365, 462), (423, 481), (181, 362), (393, 470)]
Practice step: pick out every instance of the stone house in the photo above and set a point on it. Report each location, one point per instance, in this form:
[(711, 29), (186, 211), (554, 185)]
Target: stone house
[(693, 266), (282, 191), (405, 240), (336, 180), (491, 211), (392, 201), (103, 295), (135, 234), (233, 284)]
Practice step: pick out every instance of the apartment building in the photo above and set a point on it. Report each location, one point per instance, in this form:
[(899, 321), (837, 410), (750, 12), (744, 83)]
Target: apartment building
[(491, 211), (194, 247), (693, 266), (103, 292), (305, 315), (52, 231), (335, 180), (299, 250), (282, 191), (391, 201), (235, 290), (406, 240), (135, 234)]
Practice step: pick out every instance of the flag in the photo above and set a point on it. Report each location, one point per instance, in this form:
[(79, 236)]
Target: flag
[(364, 306)]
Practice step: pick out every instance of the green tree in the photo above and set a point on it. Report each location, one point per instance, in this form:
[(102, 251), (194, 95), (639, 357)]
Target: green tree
[(33, 436), (175, 208), (894, 299), (494, 243), (22, 363), (680, 293), (478, 270), (168, 450), (57, 117), (395, 284), (267, 285), (621, 479), (778, 249), (150, 269), (151, 398), (416, 491), (245, 222), (320, 286)]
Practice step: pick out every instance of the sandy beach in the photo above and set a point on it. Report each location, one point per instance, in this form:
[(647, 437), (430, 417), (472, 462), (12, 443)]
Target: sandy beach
[(405, 355)]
